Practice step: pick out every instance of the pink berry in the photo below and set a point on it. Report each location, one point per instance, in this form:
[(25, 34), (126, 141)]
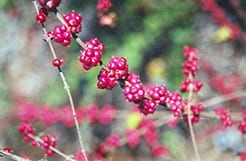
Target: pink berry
[(104, 5), (57, 62), (49, 5), (132, 137), (118, 68), (159, 151), (73, 20), (40, 18), (94, 43), (106, 114), (105, 81), (90, 58), (62, 35), (8, 150), (113, 141), (133, 92), (147, 106), (158, 94), (174, 100)]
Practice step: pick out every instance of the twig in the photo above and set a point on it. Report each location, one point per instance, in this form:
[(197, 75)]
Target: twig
[(223, 98), (193, 139), (12, 156), (66, 87)]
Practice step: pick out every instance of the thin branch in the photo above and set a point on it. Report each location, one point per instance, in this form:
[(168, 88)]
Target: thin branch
[(12, 156), (66, 86), (223, 98), (193, 139)]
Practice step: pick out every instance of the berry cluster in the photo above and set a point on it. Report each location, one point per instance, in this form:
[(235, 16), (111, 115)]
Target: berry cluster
[(49, 5), (91, 57), (242, 124), (230, 19), (27, 130), (42, 15), (49, 116), (146, 130), (224, 115), (225, 84), (195, 112), (73, 20), (61, 33), (189, 85), (104, 5)]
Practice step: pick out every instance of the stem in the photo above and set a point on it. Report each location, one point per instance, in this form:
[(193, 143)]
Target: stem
[(193, 139), (224, 98), (40, 141), (66, 86), (12, 156)]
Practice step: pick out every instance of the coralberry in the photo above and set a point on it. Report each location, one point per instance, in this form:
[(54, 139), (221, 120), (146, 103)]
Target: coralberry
[(104, 81), (73, 20), (158, 94), (40, 18), (90, 58), (49, 5), (191, 85), (134, 92), (147, 106), (95, 44), (62, 35), (132, 137), (174, 100), (224, 115), (57, 62), (118, 68), (104, 5)]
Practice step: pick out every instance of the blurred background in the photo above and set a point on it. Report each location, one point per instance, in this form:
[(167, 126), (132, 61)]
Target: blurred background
[(151, 35)]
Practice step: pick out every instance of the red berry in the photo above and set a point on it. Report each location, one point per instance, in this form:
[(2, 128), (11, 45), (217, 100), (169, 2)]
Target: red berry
[(104, 5), (174, 100), (147, 106), (132, 137), (40, 18), (118, 68), (57, 62), (62, 35), (158, 94), (105, 81), (49, 5), (8, 150), (113, 141), (90, 58), (133, 92), (94, 43), (73, 20)]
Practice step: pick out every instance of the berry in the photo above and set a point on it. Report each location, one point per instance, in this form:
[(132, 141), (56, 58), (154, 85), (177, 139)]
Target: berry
[(174, 100), (159, 151), (61, 35), (132, 137), (49, 5), (106, 114), (94, 43), (118, 68), (41, 18), (26, 129), (73, 20), (8, 150), (191, 85), (133, 92), (104, 81), (158, 94), (225, 117), (147, 106), (57, 62), (113, 141), (104, 5), (90, 58)]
